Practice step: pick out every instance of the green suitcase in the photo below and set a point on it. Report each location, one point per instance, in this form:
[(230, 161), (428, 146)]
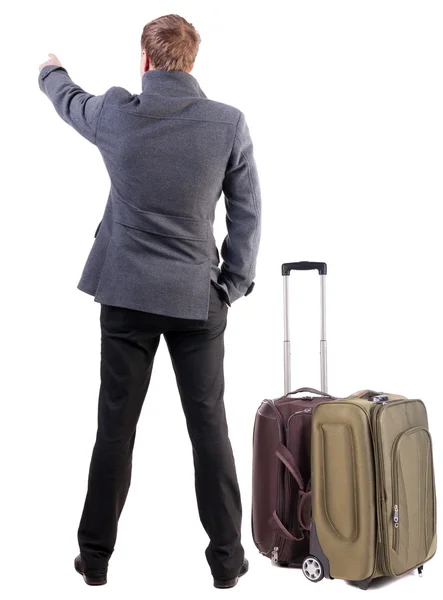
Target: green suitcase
[(373, 489)]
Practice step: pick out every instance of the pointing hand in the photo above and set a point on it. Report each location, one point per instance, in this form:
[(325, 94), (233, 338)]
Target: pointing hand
[(53, 60)]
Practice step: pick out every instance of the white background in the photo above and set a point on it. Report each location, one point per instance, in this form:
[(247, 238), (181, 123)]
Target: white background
[(344, 102)]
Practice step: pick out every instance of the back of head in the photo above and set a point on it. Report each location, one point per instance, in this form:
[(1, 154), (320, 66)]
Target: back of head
[(171, 43)]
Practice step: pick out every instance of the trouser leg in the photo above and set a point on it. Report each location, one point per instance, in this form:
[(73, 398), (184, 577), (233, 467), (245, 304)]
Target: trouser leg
[(197, 355), (127, 356)]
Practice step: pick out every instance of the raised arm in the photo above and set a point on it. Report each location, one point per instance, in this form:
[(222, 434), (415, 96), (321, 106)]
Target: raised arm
[(243, 216), (75, 106)]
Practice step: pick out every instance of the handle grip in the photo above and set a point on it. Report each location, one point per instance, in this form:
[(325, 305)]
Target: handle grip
[(304, 265), (377, 396), (366, 394), (311, 391), (275, 522)]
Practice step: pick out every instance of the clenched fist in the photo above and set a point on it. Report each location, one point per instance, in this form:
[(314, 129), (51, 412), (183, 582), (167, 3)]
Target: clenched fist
[(51, 61)]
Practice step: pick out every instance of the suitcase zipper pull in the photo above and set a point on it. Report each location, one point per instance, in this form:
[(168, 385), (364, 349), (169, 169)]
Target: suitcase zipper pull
[(396, 519), (274, 555)]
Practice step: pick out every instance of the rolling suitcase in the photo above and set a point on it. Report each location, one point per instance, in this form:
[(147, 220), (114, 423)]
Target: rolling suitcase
[(373, 491), (281, 497)]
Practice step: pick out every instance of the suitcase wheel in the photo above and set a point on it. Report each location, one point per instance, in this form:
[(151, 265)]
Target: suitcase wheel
[(312, 569)]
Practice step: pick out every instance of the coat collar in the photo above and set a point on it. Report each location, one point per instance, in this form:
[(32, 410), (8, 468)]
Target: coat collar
[(171, 83)]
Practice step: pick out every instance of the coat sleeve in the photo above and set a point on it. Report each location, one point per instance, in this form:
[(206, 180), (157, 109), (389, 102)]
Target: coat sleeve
[(75, 106), (241, 189)]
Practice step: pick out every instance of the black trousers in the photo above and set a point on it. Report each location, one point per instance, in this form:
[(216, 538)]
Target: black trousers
[(129, 340)]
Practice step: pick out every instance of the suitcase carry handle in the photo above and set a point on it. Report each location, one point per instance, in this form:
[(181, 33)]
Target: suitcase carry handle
[(311, 391), (366, 394), (277, 526), (376, 396), (285, 456), (322, 269), (305, 498)]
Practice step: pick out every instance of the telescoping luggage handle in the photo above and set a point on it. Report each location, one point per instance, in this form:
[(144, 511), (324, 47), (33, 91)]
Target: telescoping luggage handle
[(322, 271)]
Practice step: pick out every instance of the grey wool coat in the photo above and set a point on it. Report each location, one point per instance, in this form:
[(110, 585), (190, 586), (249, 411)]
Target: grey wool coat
[(170, 153)]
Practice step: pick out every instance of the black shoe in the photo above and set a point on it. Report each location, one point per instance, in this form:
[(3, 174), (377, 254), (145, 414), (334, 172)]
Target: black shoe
[(98, 578), (230, 583)]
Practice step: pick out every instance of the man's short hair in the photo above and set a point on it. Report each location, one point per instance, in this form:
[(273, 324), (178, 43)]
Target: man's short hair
[(171, 43)]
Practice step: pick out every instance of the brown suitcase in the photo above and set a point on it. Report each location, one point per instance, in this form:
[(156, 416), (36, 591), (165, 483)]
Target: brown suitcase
[(281, 497)]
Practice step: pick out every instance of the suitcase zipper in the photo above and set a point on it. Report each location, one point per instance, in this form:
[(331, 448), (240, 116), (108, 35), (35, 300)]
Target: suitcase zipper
[(278, 552), (395, 486), (281, 436), (382, 509), (395, 494), (277, 413), (380, 505), (293, 516)]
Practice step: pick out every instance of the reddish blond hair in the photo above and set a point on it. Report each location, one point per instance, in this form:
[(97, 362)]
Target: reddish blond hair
[(171, 43)]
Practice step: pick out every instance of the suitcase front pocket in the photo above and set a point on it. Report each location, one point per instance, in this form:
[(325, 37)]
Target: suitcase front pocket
[(413, 499)]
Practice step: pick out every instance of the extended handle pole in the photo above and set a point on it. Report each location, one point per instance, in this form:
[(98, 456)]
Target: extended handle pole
[(286, 340), (286, 271), (323, 342)]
